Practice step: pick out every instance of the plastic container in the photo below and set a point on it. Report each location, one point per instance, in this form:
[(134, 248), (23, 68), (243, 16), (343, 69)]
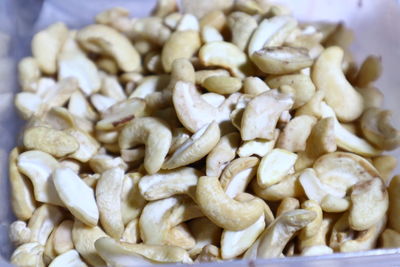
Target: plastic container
[(377, 29)]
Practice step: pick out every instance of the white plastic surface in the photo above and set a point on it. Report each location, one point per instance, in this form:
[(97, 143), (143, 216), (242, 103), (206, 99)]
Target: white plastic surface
[(375, 22)]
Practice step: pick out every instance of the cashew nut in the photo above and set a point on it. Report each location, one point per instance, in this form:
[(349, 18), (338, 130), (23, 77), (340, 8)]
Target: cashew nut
[(62, 239), (29, 255), (259, 147), (254, 86), (28, 73), (102, 162), (132, 202), (242, 26), (222, 84), (19, 233), (68, 258), (180, 236), (287, 204), (43, 221), (331, 203)]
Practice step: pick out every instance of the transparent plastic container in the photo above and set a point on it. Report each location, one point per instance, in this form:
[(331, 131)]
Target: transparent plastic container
[(376, 24)]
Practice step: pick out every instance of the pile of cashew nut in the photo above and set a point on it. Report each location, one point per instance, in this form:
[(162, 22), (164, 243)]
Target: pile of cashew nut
[(216, 130)]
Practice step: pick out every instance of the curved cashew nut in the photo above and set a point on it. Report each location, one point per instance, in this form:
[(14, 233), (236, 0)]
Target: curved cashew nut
[(224, 211), (28, 254), (125, 254), (168, 183), (370, 202), (101, 38), (288, 187), (377, 128), (195, 148), (339, 93), (152, 132)]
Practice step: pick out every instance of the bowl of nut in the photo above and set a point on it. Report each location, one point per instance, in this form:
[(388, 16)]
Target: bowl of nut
[(229, 133)]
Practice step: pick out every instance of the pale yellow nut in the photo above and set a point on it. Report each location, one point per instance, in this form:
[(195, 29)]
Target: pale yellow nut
[(226, 55), (152, 61), (209, 253), (378, 129), (54, 142), (259, 147), (132, 155), (330, 203), (271, 32), (210, 34), (103, 39), (132, 232), (195, 148), (339, 93), (111, 87), (62, 240), (88, 146), (119, 253), (222, 84), (182, 44), (46, 46), (78, 105), (274, 167), (108, 65), (385, 165), (150, 29), (202, 75), (69, 258), (132, 202), (28, 73), (188, 22), (262, 113), (38, 167), (164, 7), (28, 104), (242, 26), (102, 162), (390, 239), (313, 106), (149, 131), (107, 16), (223, 210), (49, 252), (22, 198), (43, 221), (318, 239), (369, 71), (108, 197), (313, 227), (172, 20), (215, 19), (84, 238), (287, 204), (165, 184), (253, 7), (316, 250), (29, 255), (150, 84), (322, 138), (76, 195), (254, 86), (200, 9), (281, 60), (370, 202), (101, 102), (205, 233), (19, 233), (180, 236)]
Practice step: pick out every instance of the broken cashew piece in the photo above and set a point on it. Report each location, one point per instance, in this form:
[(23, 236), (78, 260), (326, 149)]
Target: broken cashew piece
[(19, 233), (43, 221), (224, 211), (69, 258)]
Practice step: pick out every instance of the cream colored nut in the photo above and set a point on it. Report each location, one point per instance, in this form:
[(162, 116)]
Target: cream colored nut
[(298, 85), (203, 8), (373, 97), (102, 162), (88, 146), (195, 148), (28, 104), (314, 226), (369, 72), (347, 140), (46, 46), (107, 137), (254, 86), (205, 233), (209, 253), (125, 254), (164, 7), (241, 26), (259, 147), (150, 84), (29, 255), (234, 243), (79, 106), (121, 113), (322, 138), (237, 175), (181, 70), (271, 32), (84, 238), (377, 128), (59, 94), (172, 20), (202, 75), (394, 205), (150, 29), (108, 197), (274, 239), (330, 203), (69, 258), (339, 93), (180, 236), (43, 221), (224, 211), (28, 73), (385, 165), (210, 34), (62, 240), (296, 132), (274, 167), (262, 113), (132, 232), (22, 198), (313, 106), (52, 141), (364, 240), (222, 154), (101, 102), (194, 112), (287, 204), (76, 195), (390, 239), (281, 60), (110, 87), (222, 85), (148, 131), (38, 167), (188, 22), (316, 251), (19, 233), (370, 202), (318, 239), (288, 187), (80, 67), (168, 183), (226, 55), (158, 217), (181, 44), (103, 39), (132, 202)]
